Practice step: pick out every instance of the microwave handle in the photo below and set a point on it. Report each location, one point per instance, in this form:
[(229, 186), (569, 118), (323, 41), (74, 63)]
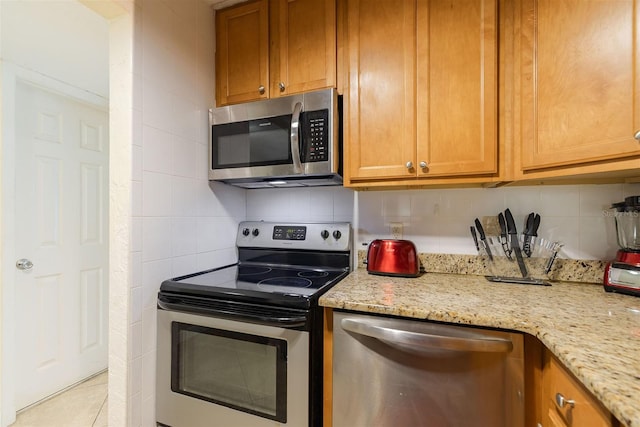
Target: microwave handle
[(295, 137)]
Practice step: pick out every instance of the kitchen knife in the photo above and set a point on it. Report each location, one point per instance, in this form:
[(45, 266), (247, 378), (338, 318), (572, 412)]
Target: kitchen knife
[(515, 245), (503, 236), (483, 238), (530, 233), (556, 249), (475, 238)]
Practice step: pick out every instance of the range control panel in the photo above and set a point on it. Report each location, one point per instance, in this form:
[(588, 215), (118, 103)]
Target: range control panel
[(332, 236), (289, 232)]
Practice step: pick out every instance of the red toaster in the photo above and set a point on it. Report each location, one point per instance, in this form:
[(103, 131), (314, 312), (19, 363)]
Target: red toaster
[(393, 258)]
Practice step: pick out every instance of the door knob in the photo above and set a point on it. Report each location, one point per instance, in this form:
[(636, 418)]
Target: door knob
[(637, 135), (423, 164), (281, 86), (409, 165), (261, 90), (24, 264)]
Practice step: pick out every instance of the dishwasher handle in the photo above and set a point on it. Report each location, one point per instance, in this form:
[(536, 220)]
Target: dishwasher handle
[(426, 343)]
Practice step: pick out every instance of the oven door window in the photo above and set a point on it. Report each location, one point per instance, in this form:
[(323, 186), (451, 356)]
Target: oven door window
[(240, 371), (264, 142)]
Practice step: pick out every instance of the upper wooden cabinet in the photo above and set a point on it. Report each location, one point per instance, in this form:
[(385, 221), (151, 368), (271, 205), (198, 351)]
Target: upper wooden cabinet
[(422, 90), (577, 84), (242, 53), (266, 49)]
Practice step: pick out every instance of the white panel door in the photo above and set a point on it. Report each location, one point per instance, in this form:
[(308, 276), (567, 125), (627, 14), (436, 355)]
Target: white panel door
[(61, 228)]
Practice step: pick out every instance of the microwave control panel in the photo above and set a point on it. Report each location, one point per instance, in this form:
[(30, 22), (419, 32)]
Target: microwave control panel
[(315, 136)]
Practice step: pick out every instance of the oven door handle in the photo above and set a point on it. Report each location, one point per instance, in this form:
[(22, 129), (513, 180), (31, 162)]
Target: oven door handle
[(279, 320)]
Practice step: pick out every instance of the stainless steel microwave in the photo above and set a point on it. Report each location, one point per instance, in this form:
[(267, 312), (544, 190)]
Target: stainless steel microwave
[(291, 141)]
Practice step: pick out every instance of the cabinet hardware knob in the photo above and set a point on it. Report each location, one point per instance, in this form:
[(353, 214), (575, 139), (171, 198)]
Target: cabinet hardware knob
[(637, 135), (409, 165), (261, 90), (423, 164), (281, 86), (561, 401)]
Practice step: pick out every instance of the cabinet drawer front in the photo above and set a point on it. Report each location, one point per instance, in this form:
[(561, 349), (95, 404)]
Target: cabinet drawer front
[(585, 411)]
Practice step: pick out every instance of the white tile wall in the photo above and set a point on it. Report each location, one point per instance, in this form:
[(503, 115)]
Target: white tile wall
[(438, 221), (300, 204), (180, 223)]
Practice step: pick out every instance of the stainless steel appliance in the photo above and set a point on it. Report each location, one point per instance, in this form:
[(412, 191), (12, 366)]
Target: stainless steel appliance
[(390, 372), (291, 141), (241, 345), (623, 274)]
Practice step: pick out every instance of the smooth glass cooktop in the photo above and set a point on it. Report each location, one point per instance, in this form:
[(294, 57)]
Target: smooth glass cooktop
[(263, 279)]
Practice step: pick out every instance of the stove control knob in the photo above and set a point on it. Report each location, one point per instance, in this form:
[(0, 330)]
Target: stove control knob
[(255, 232), (337, 234), (324, 234), (245, 232)]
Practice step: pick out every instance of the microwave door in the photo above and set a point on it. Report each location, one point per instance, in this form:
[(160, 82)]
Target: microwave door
[(256, 148)]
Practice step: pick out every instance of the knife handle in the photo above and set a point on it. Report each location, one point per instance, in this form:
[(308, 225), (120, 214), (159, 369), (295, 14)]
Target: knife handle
[(480, 229), (475, 237), (511, 224), (526, 245), (503, 224)]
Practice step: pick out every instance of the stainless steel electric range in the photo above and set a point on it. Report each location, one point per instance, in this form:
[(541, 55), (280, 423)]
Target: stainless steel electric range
[(241, 345)]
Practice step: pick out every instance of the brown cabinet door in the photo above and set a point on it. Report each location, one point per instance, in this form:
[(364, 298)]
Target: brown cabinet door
[(242, 53), (579, 79), (303, 37), (422, 88), (580, 408), (456, 87), (380, 134)]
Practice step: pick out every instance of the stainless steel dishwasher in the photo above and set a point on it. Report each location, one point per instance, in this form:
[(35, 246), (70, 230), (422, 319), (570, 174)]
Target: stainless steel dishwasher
[(393, 372)]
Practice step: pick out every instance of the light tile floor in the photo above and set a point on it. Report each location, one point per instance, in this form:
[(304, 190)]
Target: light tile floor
[(84, 405)]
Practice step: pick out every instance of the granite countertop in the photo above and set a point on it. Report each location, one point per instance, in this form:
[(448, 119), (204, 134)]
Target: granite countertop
[(595, 334)]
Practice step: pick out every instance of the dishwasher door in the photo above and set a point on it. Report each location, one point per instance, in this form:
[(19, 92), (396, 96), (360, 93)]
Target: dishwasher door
[(390, 372)]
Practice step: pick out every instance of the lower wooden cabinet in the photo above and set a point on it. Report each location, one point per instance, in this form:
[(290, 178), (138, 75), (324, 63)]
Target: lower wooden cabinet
[(554, 397), (566, 402)]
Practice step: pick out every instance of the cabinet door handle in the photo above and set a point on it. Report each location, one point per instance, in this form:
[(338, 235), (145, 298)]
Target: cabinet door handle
[(637, 135), (281, 86), (409, 165), (561, 401), (424, 164), (261, 90)]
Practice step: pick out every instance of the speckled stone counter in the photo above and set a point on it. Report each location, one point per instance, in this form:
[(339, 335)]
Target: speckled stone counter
[(595, 334), (568, 270)]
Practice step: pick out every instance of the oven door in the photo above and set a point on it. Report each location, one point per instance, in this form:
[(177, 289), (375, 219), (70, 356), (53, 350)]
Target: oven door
[(238, 374)]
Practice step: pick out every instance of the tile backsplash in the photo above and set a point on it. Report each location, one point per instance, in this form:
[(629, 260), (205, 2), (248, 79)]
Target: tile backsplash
[(438, 220)]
